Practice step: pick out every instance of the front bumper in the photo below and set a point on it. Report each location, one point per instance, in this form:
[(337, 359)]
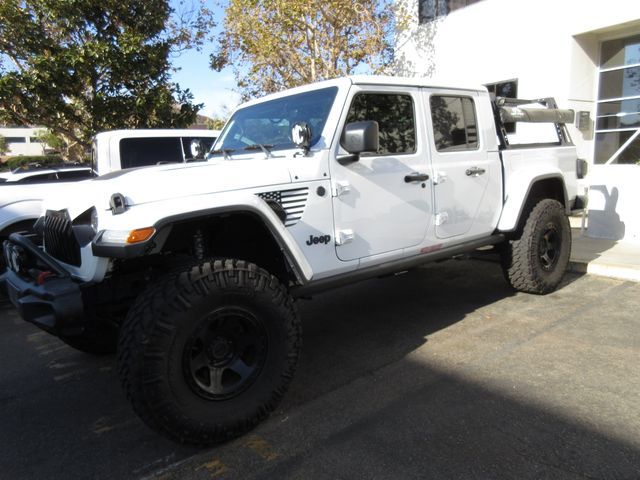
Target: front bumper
[(42, 290)]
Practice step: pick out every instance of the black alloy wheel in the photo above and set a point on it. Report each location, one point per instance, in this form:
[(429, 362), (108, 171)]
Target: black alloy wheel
[(225, 354)]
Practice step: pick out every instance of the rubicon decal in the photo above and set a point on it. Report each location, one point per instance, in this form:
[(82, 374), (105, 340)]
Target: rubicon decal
[(324, 239)]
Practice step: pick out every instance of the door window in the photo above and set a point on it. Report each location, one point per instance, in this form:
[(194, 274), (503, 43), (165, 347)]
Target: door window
[(395, 116), (454, 123)]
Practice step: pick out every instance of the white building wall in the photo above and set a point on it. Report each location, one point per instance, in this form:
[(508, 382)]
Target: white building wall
[(27, 147)]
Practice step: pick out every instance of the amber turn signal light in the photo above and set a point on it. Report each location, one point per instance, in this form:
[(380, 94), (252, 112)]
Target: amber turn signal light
[(140, 235)]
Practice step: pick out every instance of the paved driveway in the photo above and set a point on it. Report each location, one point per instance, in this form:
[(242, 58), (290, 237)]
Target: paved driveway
[(439, 373)]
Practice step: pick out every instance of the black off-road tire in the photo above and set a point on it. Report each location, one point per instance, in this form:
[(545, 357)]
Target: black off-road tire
[(208, 351), (538, 259)]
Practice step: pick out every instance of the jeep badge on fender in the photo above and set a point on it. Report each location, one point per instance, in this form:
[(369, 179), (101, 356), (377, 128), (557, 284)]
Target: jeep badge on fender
[(325, 239)]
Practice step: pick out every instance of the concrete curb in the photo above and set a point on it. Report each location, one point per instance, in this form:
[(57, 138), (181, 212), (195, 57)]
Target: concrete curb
[(619, 272)]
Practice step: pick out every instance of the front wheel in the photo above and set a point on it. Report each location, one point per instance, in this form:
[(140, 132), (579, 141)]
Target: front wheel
[(537, 261), (207, 352)]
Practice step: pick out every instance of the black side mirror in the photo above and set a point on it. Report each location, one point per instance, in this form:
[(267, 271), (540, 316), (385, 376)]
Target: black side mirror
[(357, 138)]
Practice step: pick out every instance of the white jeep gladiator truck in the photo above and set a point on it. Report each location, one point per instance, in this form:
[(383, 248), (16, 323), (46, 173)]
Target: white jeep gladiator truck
[(192, 270)]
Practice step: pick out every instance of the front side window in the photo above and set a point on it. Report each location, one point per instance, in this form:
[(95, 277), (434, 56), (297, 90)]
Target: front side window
[(454, 123), (269, 123), (395, 116)]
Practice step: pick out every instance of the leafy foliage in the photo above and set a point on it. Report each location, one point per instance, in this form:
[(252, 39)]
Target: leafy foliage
[(82, 66), (3, 145), (25, 160), (276, 44), (216, 123), (47, 137)]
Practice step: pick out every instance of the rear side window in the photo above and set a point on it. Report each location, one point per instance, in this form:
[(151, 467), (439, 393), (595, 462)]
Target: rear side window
[(455, 126), (395, 116), (142, 152)]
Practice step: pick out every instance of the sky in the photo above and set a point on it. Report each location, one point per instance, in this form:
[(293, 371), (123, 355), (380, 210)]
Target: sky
[(214, 89)]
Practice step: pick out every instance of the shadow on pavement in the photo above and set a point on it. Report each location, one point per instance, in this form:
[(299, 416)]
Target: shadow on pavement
[(360, 406)]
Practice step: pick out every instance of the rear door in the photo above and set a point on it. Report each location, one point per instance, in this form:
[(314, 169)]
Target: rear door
[(466, 179)]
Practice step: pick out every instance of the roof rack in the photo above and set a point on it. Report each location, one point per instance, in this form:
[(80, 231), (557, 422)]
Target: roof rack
[(510, 110)]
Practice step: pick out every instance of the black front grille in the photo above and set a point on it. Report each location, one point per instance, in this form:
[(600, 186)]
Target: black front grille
[(59, 240)]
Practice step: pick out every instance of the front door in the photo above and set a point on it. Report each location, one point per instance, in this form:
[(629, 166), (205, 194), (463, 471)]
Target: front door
[(380, 203)]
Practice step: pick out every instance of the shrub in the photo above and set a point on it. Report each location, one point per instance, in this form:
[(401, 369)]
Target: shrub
[(25, 160)]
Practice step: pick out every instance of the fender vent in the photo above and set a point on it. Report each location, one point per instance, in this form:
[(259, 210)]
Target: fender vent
[(292, 202)]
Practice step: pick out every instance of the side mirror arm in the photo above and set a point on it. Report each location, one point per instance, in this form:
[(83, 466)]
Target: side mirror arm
[(347, 159)]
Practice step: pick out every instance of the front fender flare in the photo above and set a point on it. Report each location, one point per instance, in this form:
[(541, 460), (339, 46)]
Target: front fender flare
[(250, 204)]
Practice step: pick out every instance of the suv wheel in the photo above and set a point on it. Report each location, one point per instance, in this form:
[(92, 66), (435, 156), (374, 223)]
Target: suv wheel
[(207, 352), (537, 261)]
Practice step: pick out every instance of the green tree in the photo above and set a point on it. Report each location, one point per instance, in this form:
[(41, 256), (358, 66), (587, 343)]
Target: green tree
[(82, 66), (276, 44), (3, 145), (216, 123), (49, 139)]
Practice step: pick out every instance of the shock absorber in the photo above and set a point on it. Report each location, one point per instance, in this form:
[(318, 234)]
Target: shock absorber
[(198, 244)]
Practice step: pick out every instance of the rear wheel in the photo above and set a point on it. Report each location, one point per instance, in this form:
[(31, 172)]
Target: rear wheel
[(207, 352), (537, 261)]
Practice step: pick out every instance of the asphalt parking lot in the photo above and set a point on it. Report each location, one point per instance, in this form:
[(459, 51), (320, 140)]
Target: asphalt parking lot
[(440, 373)]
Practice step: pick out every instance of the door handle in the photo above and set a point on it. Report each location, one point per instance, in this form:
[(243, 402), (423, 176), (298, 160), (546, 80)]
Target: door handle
[(416, 177), (475, 171)]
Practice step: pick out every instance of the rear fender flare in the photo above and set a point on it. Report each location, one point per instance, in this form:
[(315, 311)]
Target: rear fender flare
[(520, 187)]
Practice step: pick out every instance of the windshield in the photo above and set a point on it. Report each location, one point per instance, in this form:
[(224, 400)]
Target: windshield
[(269, 123)]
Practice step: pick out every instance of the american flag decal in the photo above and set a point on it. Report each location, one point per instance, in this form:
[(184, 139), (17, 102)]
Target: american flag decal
[(292, 201)]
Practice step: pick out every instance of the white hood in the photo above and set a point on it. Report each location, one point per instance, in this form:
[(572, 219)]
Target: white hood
[(153, 184)]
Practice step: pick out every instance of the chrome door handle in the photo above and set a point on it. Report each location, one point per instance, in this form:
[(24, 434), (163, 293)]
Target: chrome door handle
[(475, 171), (416, 177)]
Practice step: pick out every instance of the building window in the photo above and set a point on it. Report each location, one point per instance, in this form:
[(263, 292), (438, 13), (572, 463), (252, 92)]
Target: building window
[(505, 88), (454, 123), (395, 117), (429, 10), (16, 139), (618, 114)]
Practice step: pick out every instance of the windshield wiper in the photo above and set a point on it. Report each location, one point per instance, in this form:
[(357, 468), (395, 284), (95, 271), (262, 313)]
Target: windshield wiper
[(223, 151), (259, 146)]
